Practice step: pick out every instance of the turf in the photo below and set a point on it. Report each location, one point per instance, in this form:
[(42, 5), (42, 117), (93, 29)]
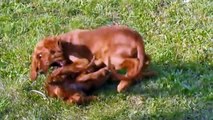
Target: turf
[(178, 35)]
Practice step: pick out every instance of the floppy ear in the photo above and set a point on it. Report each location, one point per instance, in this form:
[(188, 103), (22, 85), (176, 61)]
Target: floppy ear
[(33, 69)]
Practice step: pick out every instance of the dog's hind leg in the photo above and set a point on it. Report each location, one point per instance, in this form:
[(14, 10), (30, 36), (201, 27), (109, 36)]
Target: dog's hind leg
[(131, 66)]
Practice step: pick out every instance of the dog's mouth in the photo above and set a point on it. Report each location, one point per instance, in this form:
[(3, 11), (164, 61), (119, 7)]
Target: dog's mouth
[(58, 64)]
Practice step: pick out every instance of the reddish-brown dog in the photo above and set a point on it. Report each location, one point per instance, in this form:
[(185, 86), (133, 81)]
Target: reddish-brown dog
[(119, 46), (68, 89)]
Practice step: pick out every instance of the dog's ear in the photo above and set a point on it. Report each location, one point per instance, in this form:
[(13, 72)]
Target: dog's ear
[(33, 69)]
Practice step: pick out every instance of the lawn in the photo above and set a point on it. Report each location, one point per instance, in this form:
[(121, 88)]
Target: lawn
[(178, 35)]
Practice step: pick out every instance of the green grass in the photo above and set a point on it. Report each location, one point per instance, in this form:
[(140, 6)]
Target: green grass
[(177, 34)]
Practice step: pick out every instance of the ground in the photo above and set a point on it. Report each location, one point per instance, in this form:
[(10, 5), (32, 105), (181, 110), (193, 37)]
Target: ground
[(178, 35)]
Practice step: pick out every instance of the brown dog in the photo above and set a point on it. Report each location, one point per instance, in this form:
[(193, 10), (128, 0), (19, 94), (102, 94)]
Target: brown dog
[(120, 46), (73, 91)]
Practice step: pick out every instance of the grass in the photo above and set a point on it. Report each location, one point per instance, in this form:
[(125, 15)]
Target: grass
[(178, 35)]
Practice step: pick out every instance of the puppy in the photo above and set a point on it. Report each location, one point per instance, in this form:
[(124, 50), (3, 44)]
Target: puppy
[(120, 46), (72, 91)]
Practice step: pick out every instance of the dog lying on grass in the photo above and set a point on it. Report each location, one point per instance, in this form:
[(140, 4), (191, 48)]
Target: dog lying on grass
[(68, 89), (117, 47)]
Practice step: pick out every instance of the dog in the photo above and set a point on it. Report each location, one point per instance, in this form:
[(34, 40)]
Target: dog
[(118, 47), (72, 91)]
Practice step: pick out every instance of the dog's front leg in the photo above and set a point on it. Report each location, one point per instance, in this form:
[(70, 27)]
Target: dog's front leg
[(93, 75), (78, 66)]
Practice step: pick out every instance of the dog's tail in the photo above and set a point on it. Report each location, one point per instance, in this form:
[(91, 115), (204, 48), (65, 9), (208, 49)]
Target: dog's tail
[(142, 57)]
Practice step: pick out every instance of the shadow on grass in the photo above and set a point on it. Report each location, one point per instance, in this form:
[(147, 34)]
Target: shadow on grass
[(182, 78), (191, 81), (188, 81)]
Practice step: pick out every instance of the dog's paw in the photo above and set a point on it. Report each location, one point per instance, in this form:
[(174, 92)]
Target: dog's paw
[(123, 85)]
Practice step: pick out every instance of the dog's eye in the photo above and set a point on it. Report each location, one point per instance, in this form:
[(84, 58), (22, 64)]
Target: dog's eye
[(39, 56), (52, 52)]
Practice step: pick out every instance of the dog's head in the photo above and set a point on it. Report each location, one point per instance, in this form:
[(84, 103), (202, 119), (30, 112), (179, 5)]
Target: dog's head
[(46, 53)]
